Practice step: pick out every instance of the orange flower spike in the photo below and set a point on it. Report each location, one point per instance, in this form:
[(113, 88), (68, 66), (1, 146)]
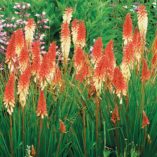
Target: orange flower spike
[(9, 98), (78, 58), (52, 52), (62, 127), (23, 86), (115, 115), (142, 20), (29, 31), (74, 28), (57, 76), (81, 37), (97, 49), (145, 71), (65, 40), (50, 59), (36, 61), (23, 59), (127, 29), (44, 71), (136, 38), (10, 52), (145, 120), (119, 82), (67, 15), (83, 72), (128, 56), (109, 53), (41, 108), (19, 41)]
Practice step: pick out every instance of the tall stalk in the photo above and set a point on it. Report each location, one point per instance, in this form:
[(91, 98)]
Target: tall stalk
[(39, 135), (11, 137), (58, 146), (97, 102), (23, 126), (84, 129)]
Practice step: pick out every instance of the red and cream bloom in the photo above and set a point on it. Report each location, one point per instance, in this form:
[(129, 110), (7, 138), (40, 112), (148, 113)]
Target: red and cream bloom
[(101, 73), (23, 86), (29, 31), (83, 73), (115, 115), (128, 60), (47, 67), (145, 120), (81, 36), (79, 58), (57, 76), (9, 98), (36, 58), (41, 107), (19, 41), (23, 59), (97, 50), (145, 71), (11, 53), (65, 41), (137, 46), (74, 30), (142, 20), (127, 29), (119, 83), (67, 15), (81, 64)]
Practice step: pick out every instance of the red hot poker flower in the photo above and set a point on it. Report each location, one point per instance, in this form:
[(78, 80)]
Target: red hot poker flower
[(78, 58), (115, 115), (62, 127), (81, 37), (29, 31), (119, 82), (23, 86), (67, 15), (74, 28), (65, 40), (97, 50), (145, 120), (142, 20), (19, 41), (23, 59), (137, 46), (83, 72), (111, 59), (145, 71), (36, 61), (127, 29), (10, 52), (128, 56), (9, 98), (57, 76), (41, 108)]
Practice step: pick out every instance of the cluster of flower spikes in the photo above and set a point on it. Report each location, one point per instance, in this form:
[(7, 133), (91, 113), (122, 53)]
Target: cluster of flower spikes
[(25, 62), (100, 70)]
